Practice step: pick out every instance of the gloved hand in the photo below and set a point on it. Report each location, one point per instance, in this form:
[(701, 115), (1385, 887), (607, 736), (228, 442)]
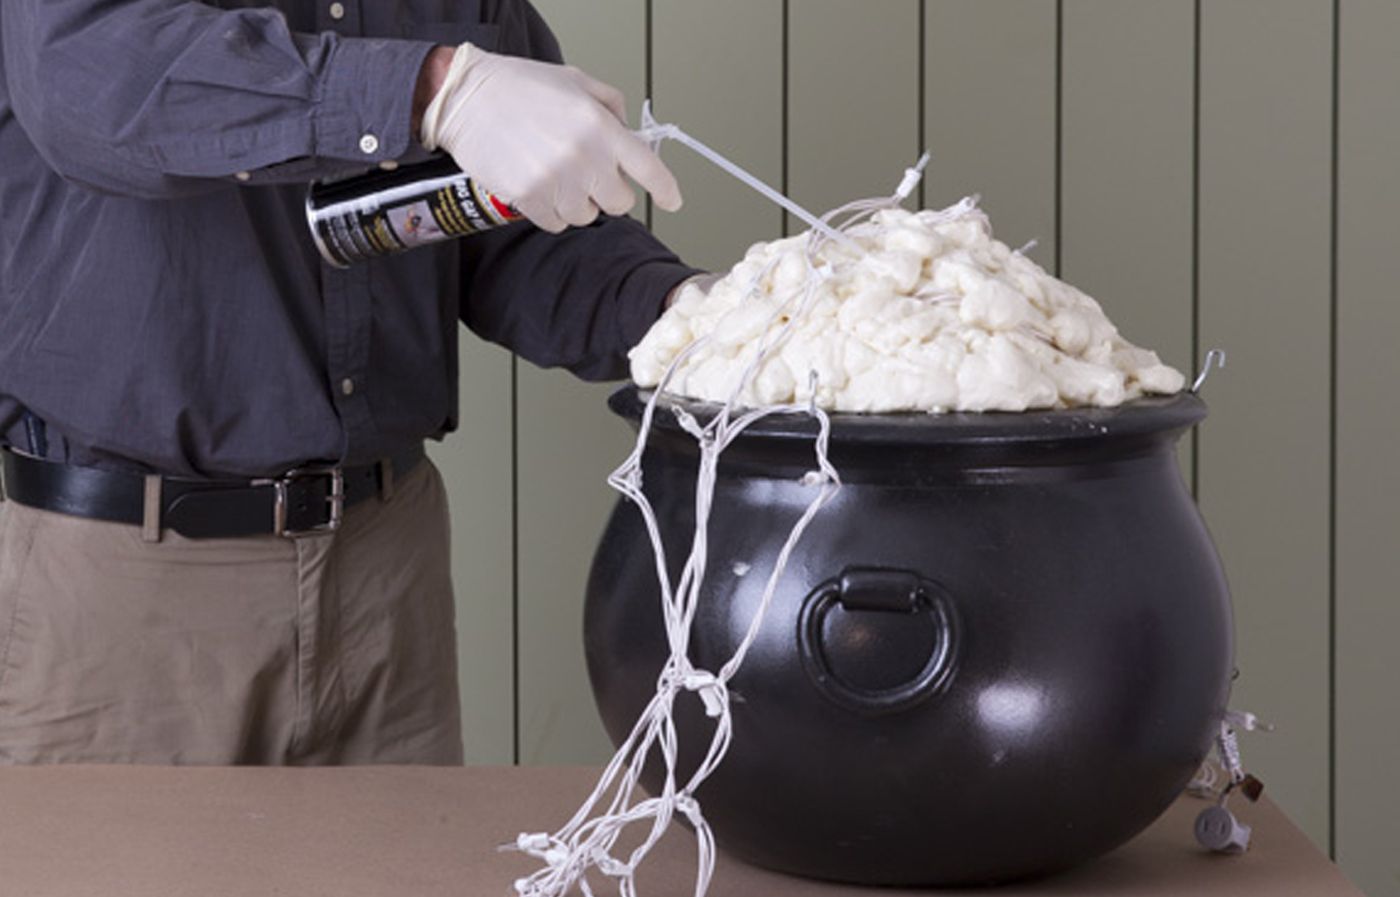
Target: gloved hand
[(548, 139)]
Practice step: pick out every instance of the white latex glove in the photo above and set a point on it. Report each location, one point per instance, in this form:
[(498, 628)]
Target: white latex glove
[(548, 139)]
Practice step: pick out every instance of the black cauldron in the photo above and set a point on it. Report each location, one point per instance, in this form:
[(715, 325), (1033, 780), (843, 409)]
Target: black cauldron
[(1002, 650)]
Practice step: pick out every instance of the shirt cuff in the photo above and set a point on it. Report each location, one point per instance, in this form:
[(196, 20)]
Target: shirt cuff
[(365, 111), (644, 298)]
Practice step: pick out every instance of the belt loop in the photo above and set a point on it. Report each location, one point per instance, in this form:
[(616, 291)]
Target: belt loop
[(150, 519), (38, 434), (386, 479)]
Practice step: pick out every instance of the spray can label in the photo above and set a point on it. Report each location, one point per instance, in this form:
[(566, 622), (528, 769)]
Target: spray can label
[(386, 212)]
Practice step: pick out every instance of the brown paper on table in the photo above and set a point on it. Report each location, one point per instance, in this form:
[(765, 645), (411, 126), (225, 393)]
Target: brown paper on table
[(421, 832)]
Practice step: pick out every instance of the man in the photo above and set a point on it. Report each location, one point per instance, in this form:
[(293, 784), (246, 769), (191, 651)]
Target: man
[(185, 386)]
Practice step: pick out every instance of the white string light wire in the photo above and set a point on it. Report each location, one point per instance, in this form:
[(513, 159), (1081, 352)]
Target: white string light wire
[(588, 843)]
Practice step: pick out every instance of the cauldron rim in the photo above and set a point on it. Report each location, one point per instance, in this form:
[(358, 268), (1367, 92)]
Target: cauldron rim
[(1145, 416)]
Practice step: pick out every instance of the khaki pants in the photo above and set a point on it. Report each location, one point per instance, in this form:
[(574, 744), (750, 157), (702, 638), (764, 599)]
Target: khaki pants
[(337, 649)]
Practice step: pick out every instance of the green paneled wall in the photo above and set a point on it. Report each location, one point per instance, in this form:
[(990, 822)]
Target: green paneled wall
[(1219, 173), (1263, 260), (1366, 490)]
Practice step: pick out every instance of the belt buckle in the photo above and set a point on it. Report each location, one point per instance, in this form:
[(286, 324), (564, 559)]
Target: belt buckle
[(336, 500)]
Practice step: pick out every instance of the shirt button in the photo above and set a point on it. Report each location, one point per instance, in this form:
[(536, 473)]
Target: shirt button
[(369, 144), (347, 386), (337, 11), (243, 176)]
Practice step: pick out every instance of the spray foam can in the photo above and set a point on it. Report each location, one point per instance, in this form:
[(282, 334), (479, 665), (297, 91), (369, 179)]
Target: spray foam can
[(385, 212)]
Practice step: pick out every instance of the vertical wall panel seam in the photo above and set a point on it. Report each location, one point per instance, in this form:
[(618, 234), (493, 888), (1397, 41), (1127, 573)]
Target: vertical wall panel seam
[(787, 117), (923, 96), (650, 39), (1335, 299), (1059, 133), (1196, 237), (515, 557)]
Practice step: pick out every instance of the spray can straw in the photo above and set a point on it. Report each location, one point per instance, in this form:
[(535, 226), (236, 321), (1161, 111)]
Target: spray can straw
[(654, 132)]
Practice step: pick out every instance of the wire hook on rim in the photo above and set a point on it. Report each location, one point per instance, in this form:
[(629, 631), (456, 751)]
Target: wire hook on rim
[(1215, 360)]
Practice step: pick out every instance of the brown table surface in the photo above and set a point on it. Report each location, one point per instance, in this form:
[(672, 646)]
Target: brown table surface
[(419, 832)]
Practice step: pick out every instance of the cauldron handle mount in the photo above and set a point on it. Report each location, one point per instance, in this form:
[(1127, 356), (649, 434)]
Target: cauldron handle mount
[(878, 641)]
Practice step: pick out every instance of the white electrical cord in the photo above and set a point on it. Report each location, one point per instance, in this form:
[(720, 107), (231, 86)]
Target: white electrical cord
[(1217, 828), (587, 842)]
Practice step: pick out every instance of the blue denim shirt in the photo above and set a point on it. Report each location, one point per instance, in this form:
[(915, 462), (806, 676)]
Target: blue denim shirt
[(162, 306)]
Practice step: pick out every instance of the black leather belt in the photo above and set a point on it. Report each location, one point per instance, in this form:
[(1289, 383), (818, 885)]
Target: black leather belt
[(302, 502)]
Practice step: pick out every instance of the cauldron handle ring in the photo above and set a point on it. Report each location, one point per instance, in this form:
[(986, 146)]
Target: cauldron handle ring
[(889, 597)]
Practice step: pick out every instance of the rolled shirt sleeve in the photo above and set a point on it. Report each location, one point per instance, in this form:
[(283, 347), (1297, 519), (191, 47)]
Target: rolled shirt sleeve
[(159, 98), (577, 300)]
